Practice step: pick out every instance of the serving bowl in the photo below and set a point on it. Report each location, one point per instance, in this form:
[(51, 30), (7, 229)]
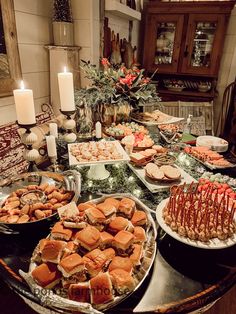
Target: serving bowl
[(212, 142), (69, 181)]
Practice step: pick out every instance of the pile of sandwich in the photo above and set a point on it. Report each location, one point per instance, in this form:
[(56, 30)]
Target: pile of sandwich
[(94, 254)]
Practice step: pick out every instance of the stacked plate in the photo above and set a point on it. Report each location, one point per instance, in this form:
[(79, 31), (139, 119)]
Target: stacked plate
[(215, 143)]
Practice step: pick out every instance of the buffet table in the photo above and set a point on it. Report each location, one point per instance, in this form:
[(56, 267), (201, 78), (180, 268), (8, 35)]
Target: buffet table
[(183, 279)]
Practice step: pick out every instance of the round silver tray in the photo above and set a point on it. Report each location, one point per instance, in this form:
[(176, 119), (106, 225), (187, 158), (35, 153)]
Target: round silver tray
[(56, 302)]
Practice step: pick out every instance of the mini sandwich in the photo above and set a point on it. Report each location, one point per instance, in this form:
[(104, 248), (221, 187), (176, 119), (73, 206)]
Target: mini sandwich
[(38, 251), (88, 239), (71, 265), (46, 275), (121, 263), (70, 248), (110, 253), (137, 158), (139, 218), (79, 292), (76, 222), (83, 206), (59, 232), (109, 210), (127, 207), (52, 251), (136, 255), (101, 289), (95, 217), (139, 235), (122, 281), (118, 224), (148, 153), (112, 201), (94, 262), (122, 243), (106, 240)]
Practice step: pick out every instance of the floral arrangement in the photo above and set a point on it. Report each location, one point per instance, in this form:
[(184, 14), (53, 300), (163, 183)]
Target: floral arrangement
[(112, 85)]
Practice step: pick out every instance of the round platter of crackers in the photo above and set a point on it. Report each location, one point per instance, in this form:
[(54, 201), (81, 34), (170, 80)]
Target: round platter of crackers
[(162, 174), (97, 255)]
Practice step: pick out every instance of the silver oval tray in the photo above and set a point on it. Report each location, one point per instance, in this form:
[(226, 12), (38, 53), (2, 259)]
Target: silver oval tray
[(56, 302), (70, 180)]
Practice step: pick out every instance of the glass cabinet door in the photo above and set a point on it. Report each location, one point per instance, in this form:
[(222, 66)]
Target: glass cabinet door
[(162, 42), (202, 38)]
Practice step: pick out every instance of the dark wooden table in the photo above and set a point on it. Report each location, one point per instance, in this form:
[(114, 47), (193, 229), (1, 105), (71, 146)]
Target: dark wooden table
[(187, 278)]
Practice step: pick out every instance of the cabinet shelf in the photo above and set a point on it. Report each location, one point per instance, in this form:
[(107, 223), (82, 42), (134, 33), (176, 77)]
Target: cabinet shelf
[(122, 10), (186, 93)]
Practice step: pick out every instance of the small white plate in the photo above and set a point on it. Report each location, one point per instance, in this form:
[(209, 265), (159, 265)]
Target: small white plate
[(213, 244)]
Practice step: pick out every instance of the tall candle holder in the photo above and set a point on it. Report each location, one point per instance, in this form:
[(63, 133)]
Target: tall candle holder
[(28, 138), (69, 124)]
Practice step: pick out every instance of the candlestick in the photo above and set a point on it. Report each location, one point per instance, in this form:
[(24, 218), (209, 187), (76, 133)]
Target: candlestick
[(24, 102), (29, 138), (98, 128), (66, 91), (51, 146), (53, 129)]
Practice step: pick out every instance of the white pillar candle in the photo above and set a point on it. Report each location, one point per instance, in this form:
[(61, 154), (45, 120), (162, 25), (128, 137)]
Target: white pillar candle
[(98, 128), (53, 129), (24, 102), (66, 91), (51, 146)]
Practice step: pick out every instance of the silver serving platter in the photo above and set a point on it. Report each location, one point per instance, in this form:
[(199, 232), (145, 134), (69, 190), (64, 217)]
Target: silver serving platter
[(70, 180), (56, 302)]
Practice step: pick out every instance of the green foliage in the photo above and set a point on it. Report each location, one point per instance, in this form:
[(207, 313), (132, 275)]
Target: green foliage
[(115, 86)]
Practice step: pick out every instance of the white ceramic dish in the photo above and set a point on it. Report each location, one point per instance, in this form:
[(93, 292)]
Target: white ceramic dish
[(213, 244), (73, 161), (215, 143)]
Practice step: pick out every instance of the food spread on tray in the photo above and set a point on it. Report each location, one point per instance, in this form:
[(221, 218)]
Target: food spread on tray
[(204, 154), (138, 140), (95, 151), (169, 128), (217, 187), (101, 246), (33, 202), (200, 214), (155, 116), (163, 173), (124, 129)]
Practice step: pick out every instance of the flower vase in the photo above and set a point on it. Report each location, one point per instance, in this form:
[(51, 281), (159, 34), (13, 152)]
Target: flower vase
[(112, 113), (84, 122)]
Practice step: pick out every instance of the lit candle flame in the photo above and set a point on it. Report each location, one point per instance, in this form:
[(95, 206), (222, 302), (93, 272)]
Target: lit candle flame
[(22, 86), (65, 70)]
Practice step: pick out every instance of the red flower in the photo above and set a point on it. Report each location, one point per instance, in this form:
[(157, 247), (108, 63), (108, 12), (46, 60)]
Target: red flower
[(105, 62), (128, 79), (146, 80)]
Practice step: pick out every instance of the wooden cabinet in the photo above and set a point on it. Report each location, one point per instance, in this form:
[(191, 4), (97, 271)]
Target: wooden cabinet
[(184, 41)]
